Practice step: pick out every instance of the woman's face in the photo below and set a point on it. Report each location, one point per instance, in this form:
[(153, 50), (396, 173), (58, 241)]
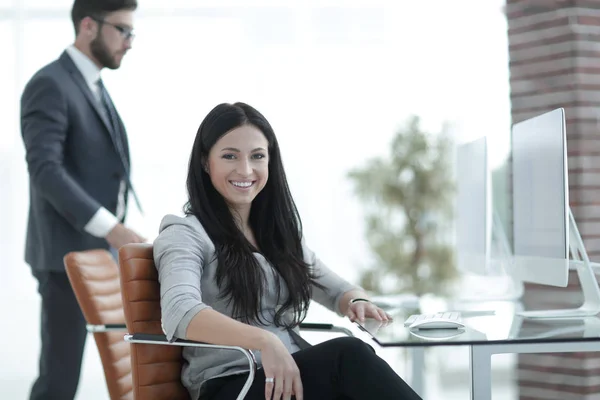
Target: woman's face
[(238, 165)]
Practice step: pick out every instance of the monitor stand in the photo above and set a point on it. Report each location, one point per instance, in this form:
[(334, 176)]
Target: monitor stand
[(587, 279)]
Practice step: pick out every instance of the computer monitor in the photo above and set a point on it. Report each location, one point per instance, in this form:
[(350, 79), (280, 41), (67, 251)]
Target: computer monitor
[(482, 248), (541, 199), (473, 207), (544, 230)]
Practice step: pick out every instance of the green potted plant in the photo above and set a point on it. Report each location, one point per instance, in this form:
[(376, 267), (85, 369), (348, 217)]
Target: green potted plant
[(408, 202)]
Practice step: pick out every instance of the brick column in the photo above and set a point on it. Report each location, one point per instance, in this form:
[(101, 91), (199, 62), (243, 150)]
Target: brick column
[(554, 49)]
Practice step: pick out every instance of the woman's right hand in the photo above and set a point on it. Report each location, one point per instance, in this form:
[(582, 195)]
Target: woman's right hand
[(279, 364)]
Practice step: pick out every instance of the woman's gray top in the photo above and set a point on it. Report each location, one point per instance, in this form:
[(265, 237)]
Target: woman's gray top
[(184, 258)]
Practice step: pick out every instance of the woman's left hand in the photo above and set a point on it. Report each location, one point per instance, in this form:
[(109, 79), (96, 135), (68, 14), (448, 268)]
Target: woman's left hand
[(360, 310)]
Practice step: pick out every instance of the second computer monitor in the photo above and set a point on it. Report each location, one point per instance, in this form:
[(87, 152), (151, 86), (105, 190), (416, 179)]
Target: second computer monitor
[(541, 199), (473, 207)]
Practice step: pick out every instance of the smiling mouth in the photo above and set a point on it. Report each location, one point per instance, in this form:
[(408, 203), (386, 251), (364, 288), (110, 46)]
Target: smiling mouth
[(242, 185)]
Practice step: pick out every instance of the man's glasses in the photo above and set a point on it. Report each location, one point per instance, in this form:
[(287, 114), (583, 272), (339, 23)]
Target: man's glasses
[(126, 33)]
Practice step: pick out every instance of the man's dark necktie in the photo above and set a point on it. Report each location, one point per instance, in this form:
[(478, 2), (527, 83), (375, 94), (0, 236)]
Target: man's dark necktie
[(117, 135)]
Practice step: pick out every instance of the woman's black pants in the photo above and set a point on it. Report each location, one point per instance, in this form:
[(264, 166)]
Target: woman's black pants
[(343, 368)]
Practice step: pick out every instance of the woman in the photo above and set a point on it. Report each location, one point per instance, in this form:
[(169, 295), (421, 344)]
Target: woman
[(235, 271)]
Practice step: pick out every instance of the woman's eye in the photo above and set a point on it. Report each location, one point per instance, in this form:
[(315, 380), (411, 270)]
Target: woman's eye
[(258, 156), (228, 156)]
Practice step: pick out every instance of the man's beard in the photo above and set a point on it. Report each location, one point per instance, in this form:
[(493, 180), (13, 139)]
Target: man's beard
[(102, 54)]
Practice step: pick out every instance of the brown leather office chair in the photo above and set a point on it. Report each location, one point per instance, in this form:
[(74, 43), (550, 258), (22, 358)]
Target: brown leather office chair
[(94, 277), (156, 370)]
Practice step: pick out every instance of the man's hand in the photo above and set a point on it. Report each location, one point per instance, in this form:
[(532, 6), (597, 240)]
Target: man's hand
[(121, 235)]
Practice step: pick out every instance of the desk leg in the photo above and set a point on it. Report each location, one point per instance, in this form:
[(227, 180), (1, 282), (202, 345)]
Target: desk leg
[(418, 370), (481, 373)]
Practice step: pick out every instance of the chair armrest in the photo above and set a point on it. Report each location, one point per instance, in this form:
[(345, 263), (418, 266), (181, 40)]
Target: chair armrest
[(146, 338), (309, 326), (106, 328)]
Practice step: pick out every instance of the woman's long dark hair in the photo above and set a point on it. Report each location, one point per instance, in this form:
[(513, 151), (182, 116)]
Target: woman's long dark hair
[(274, 220)]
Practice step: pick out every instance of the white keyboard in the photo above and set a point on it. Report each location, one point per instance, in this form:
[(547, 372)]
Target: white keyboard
[(445, 320)]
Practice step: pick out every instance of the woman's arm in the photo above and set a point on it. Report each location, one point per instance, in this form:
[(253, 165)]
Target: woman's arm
[(348, 297), (333, 287), (337, 294), (355, 304), (179, 252), (211, 326)]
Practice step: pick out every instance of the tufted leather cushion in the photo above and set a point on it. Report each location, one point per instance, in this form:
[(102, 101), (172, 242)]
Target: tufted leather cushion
[(94, 277), (156, 368)]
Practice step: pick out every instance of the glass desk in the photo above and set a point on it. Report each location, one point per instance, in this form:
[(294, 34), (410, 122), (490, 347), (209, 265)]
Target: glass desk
[(488, 333)]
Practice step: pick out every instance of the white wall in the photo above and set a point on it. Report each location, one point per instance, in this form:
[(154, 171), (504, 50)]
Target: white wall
[(335, 81)]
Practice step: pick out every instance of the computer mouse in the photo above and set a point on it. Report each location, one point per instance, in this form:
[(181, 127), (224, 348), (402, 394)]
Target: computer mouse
[(436, 323), (437, 335)]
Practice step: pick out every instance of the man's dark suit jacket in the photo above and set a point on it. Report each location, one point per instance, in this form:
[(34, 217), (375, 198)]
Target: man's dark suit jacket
[(74, 166)]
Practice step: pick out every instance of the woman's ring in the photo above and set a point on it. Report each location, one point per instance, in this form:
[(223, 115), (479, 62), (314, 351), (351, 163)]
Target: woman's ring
[(269, 380)]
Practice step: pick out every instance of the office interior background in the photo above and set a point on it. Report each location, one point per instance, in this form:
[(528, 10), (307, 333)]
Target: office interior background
[(335, 78)]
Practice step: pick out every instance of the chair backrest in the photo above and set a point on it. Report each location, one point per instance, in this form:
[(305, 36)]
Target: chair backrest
[(156, 368), (94, 276)]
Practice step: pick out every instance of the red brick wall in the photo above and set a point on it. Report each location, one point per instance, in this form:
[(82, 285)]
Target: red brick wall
[(554, 51)]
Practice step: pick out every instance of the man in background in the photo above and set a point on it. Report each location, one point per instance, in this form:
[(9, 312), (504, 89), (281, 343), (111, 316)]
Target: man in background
[(79, 173)]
